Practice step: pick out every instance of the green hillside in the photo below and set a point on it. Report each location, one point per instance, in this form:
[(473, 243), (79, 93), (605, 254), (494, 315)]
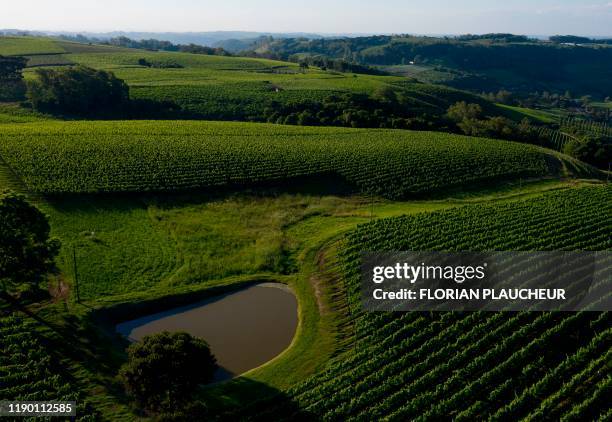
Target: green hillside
[(480, 63), (30, 371), (88, 157), (215, 87), (26, 46), (472, 365), (228, 88), (256, 171)]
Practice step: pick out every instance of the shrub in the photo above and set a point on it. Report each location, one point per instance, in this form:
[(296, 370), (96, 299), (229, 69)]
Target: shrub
[(76, 90), (595, 150), (12, 87), (164, 369), (26, 251)]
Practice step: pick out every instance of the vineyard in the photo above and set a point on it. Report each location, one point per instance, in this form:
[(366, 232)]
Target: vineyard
[(25, 46), (470, 366), (571, 124), (226, 88), (216, 87), (153, 214), (29, 372), (571, 128), (88, 157)]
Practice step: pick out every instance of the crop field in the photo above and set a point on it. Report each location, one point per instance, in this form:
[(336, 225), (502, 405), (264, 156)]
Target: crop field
[(28, 371), (153, 215), (90, 157), (541, 116), (40, 60), (473, 366), (26, 46), (219, 87)]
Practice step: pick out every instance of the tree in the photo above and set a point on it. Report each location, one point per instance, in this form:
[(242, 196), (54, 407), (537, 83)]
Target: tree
[(386, 94), (144, 62), (164, 369), (26, 250), (78, 90), (461, 111), (504, 97), (595, 150), (12, 87)]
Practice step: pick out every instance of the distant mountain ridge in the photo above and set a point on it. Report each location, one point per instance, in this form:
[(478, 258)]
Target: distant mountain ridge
[(206, 38)]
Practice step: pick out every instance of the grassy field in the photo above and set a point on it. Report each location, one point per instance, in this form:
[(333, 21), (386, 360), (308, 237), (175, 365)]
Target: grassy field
[(25, 46), (82, 157), (14, 113), (538, 116)]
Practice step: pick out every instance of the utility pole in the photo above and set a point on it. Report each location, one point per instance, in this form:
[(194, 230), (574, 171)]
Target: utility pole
[(76, 274)]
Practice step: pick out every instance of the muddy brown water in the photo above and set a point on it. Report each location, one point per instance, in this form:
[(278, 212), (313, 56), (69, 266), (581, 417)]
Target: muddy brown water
[(244, 329)]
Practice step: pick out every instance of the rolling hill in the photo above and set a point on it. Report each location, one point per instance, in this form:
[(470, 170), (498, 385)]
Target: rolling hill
[(478, 63), (229, 88), (468, 365), (137, 156)]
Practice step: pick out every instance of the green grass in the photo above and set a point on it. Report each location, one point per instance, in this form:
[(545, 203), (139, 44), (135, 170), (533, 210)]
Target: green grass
[(602, 104), (83, 157), (408, 364), (125, 245), (539, 116), (14, 113), (136, 250), (25, 46), (48, 60)]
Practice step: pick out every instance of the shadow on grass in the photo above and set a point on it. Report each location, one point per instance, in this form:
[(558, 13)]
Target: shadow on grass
[(316, 185), (243, 399)]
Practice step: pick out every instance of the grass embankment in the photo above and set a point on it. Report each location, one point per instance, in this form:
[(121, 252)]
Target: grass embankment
[(538, 116)]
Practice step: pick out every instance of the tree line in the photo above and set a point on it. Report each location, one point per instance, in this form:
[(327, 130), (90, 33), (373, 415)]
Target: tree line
[(157, 45), (149, 44)]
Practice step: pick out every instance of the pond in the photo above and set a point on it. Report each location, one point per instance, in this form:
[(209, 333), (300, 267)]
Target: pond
[(244, 329)]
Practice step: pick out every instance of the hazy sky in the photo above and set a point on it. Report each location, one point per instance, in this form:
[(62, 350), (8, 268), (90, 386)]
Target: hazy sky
[(536, 17)]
